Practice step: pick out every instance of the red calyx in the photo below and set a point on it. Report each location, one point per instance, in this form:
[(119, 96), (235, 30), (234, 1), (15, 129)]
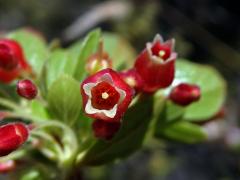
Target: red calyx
[(185, 94), (12, 136), (26, 89), (105, 130)]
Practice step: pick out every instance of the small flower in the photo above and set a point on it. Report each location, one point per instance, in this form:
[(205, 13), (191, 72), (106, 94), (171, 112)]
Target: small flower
[(7, 166), (156, 64), (12, 136), (105, 130), (12, 60), (185, 94), (132, 78), (106, 96), (98, 61), (26, 89)]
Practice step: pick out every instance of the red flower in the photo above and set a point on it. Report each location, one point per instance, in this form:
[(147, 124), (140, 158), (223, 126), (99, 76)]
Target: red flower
[(12, 136), (184, 94), (27, 89), (12, 60), (105, 130), (132, 78), (156, 64), (106, 96)]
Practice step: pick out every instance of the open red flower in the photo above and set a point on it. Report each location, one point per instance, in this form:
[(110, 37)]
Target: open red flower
[(106, 96), (105, 130), (12, 60), (184, 94), (156, 64), (12, 136)]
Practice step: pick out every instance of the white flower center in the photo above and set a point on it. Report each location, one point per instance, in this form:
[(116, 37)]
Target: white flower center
[(105, 95), (162, 53)]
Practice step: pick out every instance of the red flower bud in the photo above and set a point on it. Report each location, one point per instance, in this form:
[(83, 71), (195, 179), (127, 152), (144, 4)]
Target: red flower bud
[(27, 89), (12, 60), (106, 96), (156, 64), (12, 136), (184, 94), (98, 61), (105, 130), (132, 78), (7, 166)]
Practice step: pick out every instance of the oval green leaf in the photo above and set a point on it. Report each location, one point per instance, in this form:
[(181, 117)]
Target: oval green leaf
[(64, 99)]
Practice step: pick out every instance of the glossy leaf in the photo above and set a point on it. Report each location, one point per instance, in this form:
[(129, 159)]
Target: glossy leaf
[(35, 47), (64, 99), (39, 110), (60, 62), (82, 50), (182, 131), (129, 138), (171, 125)]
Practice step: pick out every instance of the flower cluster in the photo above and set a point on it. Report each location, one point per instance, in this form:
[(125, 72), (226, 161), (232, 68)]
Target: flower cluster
[(107, 93), (13, 65)]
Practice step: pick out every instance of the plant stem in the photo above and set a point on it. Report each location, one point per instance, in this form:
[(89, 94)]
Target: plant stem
[(8, 104)]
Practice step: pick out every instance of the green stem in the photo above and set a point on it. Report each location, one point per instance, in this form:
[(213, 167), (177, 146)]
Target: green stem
[(9, 104), (69, 141), (14, 155)]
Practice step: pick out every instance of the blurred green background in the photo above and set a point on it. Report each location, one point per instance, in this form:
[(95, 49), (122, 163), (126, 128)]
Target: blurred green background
[(206, 31)]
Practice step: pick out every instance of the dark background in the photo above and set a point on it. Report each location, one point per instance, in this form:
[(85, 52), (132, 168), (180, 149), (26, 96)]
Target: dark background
[(207, 31)]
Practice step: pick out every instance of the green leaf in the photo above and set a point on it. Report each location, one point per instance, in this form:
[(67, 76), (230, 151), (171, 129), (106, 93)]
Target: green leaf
[(129, 138), (60, 62), (35, 47), (165, 111), (64, 99), (171, 125), (120, 51), (182, 131), (38, 110), (82, 50), (213, 89)]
